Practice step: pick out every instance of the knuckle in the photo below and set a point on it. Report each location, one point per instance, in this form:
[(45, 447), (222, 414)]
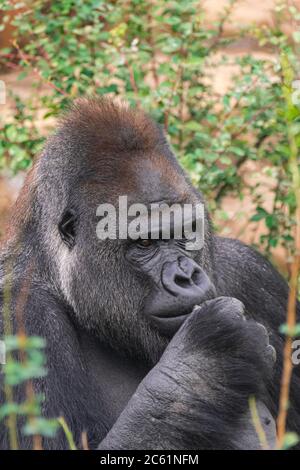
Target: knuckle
[(271, 353), (262, 331)]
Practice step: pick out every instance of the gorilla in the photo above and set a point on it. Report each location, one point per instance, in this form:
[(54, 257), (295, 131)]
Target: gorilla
[(149, 345)]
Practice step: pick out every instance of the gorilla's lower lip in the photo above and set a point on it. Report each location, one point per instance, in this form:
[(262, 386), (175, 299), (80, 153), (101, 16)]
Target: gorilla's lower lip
[(169, 325), (175, 315)]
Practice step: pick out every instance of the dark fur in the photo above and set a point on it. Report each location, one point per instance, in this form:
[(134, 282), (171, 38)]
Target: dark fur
[(86, 300)]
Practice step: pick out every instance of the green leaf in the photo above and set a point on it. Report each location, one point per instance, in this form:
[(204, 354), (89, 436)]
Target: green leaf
[(8, 409), (296, 36), (41, 426), (294, 332), (290, 440), (193, 126), (261, 213)]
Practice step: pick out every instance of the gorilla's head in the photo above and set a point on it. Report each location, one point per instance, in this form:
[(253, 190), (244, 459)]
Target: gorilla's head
[(133, 294)]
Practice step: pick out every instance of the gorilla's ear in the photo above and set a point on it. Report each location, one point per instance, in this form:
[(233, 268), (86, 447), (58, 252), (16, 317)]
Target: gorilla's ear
[(67, 227)]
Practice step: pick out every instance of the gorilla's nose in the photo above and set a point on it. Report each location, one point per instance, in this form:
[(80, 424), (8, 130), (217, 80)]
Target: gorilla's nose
[(184, 277), (183, 284)]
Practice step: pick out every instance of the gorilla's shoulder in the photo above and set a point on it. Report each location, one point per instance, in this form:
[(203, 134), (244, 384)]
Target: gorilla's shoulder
[(243, 271), (236, 253)]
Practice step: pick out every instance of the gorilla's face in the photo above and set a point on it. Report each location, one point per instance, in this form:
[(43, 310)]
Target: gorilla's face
[(134, 294)]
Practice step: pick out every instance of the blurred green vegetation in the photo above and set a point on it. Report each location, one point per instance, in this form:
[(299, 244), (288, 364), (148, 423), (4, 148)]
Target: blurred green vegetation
[(160, 55)]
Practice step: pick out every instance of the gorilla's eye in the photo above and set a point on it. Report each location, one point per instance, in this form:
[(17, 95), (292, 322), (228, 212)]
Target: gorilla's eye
[(66, 228), (145, 243)]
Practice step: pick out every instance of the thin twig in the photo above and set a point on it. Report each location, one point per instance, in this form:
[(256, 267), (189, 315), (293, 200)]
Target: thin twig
[(257, 424), (151, 22), (292, 300), (68, 433), (222, 21), (38, 73), (84, 440), (11, 421), (21, 332)]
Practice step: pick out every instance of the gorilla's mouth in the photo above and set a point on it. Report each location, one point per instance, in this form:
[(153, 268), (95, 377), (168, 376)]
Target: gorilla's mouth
[(170, 324), (182, 287)]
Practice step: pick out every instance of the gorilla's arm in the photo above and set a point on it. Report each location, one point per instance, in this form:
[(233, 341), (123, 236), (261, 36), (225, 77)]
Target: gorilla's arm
[(196, 397), (245, 274), (65, 385)]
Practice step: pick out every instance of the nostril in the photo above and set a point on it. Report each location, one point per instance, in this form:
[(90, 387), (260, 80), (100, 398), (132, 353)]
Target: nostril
[(182, 281), (196, 277)]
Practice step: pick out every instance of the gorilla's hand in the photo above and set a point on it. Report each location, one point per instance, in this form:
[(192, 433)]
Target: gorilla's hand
[(197, 396), (218, 339)]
